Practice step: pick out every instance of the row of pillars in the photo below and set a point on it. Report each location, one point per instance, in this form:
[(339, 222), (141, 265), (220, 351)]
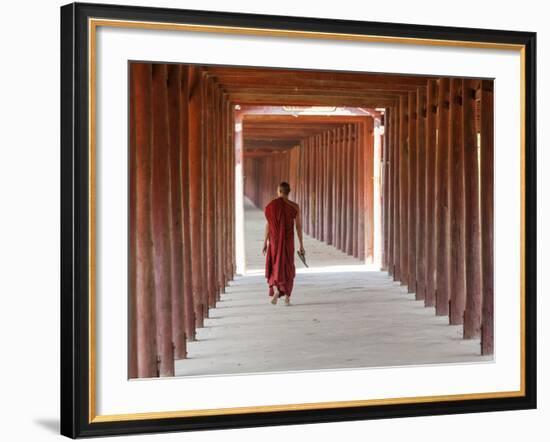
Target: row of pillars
[(437, 200), (331, 177), (181, 189)]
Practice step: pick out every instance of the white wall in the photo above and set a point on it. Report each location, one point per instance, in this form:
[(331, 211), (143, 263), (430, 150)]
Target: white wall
[(29, 221)]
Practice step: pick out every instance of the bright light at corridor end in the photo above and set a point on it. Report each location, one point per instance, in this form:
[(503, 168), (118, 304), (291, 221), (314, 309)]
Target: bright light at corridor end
[(310, 109)]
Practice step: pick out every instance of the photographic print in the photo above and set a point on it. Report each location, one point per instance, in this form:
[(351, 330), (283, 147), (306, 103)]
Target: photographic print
[(271, 220), (360, 200)]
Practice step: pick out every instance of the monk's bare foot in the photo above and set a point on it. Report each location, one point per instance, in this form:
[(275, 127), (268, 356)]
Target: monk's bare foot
[(275, 298), (287, 300)]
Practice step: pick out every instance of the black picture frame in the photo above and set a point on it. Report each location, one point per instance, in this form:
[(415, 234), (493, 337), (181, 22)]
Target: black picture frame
[(75, 220)]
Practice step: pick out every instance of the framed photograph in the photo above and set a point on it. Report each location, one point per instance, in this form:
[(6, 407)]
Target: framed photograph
[(271, 220)]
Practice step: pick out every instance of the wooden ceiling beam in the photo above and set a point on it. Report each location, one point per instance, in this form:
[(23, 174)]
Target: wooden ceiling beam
[(245, 72), (308, 100)]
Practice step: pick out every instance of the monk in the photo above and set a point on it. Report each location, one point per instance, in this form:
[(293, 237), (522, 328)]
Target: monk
[(282, 215)]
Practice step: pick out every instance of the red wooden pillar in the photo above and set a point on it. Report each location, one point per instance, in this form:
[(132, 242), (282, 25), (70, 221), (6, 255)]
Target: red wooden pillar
[(210, 194), (315, 186), (369, 189), (396, 218), (326, 187), (195, 190), (132, 313), (140, 180), (431, 128), (472, 314), (442, 200), (230, 201), (219, 200), (338, 188), (412, 201), (323, 179), (204, 195), (421, 193), (354, 188), (185, 209), (391, 166), (307, 188), (316, 183), (176, 239), (226, 152), (361, 189), (456, 213), (334, 186), (161, 220), (341, 187), (486, 196), (317, 178), (403, 190), (228, 190), (311, 187), (386, 192), (348, 245), (319, 189)]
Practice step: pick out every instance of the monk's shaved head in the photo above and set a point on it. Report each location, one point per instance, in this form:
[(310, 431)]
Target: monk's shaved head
[(284, 188)]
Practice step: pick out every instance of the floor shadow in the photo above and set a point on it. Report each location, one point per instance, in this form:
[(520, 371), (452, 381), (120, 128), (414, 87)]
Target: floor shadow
[(49, 424)]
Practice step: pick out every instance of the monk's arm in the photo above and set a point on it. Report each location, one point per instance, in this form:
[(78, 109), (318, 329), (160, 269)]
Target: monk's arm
[(299, 230), (266, 237)]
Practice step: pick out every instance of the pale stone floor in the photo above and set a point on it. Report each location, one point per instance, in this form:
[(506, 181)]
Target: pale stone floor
[(343, 314)]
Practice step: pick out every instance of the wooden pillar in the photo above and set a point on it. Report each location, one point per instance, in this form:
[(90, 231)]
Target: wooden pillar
[(386, 193), (334, 219), (403, 189), (195, 190), (231, 190), (132, 261), (176, 239), (486, 195), (324, 178), (311, 183), (226, 152), (145, 311), (320, 192), (472, 233), (316, 183), (348, 246), (329, 159), (369, 189), (318, 188), (396, 219), (219, 200), (431, 128), (355, 188), (185, 208), (389, 119), (361, 190), (161, 220), (210, 195), (338, 209), (231, 260), (442, 200), (206, 284), (412, 201), (456, 202), (308, 193), (230, 162), (421, 193)]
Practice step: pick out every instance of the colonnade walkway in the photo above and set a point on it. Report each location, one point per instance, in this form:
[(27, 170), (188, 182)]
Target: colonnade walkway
[(343, 314)]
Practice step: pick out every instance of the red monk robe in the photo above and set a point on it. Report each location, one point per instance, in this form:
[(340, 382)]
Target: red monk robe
[(279, 264)]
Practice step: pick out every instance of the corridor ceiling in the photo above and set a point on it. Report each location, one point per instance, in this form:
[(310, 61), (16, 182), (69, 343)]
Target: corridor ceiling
[(265, 133)]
